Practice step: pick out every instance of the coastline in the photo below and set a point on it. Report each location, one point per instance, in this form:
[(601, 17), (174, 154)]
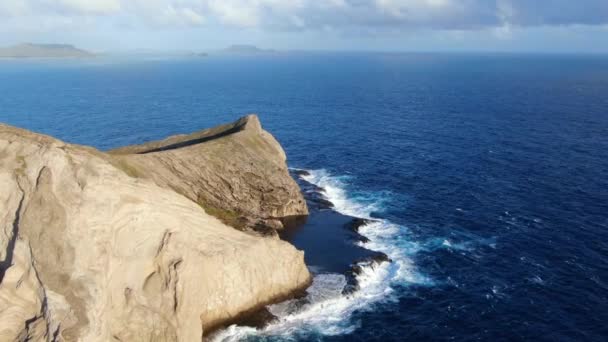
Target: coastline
[(324, 223), (162, 265), (264, 273), (489, 202), (333, 246), (253, 314)]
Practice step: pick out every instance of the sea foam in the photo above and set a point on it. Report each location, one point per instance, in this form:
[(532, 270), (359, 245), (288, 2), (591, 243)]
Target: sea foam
[(327, 310)]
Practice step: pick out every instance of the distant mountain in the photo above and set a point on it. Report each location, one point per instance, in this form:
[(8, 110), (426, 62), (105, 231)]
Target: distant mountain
[(245, 50), (29, 50)]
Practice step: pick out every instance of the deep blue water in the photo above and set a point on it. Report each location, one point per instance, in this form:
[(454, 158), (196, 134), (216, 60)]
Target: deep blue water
[(490, 172)]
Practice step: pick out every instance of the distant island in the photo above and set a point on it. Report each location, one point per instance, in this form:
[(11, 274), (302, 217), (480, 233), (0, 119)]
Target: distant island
[(29, 50), (246, 50)]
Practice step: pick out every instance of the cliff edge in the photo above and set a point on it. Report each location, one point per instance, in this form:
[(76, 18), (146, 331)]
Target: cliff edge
[(101, 247), (237, 172)]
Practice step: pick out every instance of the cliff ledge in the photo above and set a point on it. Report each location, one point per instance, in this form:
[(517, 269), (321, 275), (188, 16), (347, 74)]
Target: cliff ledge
[(237, 172)]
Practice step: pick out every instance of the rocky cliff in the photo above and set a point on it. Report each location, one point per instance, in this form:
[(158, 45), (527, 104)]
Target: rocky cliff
[(237, 172), (122, 246)]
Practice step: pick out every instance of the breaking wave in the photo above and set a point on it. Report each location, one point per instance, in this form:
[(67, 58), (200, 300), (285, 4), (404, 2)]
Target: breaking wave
[(326, 310)]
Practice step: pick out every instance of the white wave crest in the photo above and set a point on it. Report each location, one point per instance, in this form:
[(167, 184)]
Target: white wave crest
[(328, 311), (384, 236)]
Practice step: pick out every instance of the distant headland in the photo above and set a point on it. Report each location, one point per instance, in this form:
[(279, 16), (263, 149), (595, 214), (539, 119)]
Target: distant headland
[(30, 50), (246, 50)]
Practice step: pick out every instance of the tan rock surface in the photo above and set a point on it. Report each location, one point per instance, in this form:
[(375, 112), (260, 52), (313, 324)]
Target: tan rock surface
[(91, 253), (236, 171)]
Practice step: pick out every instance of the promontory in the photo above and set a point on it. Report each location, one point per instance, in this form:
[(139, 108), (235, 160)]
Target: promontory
[(30, 50), (163, 241)]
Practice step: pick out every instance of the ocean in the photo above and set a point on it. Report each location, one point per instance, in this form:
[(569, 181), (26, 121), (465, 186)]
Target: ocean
[(486, 176)]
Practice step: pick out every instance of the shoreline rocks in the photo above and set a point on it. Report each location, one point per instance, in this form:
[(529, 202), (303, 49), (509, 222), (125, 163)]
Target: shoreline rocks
[(99, 246), (332, 240)]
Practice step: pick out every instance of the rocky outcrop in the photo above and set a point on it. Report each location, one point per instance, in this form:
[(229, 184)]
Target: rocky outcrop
[(100, 247), (237, 172)]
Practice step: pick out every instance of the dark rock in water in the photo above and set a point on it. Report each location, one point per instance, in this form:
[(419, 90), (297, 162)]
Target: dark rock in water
[(258, 319), (357, 223), (380, 257), (354, 226), (321, 203), (301, 172), (316, 188), (312, 190), (261, 317), (351, 276), (315, 198), (362, 238), (313, 194)]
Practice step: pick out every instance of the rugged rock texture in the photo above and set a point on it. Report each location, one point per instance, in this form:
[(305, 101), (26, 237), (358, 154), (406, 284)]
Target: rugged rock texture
[(237, 172), (92, 250)]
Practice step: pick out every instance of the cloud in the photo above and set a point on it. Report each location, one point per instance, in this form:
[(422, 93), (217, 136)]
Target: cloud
[(285, 15), (86, 6)]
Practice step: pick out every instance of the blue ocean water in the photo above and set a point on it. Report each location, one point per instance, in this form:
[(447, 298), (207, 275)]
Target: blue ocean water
[(489, 174)]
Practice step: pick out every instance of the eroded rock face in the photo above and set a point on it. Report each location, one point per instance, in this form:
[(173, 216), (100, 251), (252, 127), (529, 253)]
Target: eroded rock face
[(92, 251), (236, 171)]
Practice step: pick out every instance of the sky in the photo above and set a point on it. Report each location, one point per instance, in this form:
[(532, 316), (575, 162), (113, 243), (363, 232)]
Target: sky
[(543, 26)]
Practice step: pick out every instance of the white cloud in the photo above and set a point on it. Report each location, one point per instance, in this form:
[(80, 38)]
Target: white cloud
[(501, 15), (180, 16), (87, 6), (408, 8), (236, 12)]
